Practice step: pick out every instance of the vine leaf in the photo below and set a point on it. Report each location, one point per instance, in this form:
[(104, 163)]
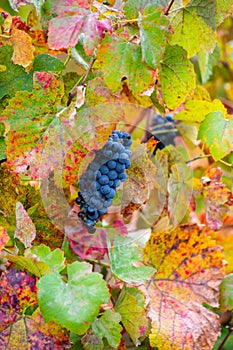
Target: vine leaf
[(3, 238), (226, 288), (53, 259), (30, 111), (34, 333), (47, 63), (217, 198), (131, 306), (190, 268), (25, 229), (177, 80), (17, 293), (13, 77), (194, 26), (107, 326), (132, 7), (140, 79), (180, 185), (197, 107), (124, 254), (217, 132), (73, 21), (153, 35), (62, 302), (23, 48)]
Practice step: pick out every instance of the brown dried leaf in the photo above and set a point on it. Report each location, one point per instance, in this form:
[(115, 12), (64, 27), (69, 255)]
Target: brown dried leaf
[(23, 48)]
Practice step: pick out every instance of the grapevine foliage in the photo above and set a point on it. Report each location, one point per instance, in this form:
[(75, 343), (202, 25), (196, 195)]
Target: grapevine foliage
[(116, 150)]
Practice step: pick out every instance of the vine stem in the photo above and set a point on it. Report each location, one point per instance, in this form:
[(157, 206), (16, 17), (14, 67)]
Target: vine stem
[(166, 13), (230, 330), (198, 157), (81, 81), (100, 263)]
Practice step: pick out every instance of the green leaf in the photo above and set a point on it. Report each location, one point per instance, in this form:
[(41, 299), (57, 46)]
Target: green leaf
[(223, 8), (74, 304), (2, 148), (116, 58), (25, 263), (132, 7), (153, 34), (53, 259), (131, 306), (107, 326), (217, 132), (226, 293), (47, 63), (14, 78), (123, 254), (206, 62), (177, 76), (194, 26)]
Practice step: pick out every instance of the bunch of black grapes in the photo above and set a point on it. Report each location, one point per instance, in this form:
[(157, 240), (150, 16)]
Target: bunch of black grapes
[(163, 130), (103, 175)]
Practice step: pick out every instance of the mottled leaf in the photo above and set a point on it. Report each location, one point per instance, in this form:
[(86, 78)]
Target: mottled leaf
[(116, 57), (17, 293), (53, 259), (37, 268), (25, 229), (217, 198), (14, 77), (30, 111), (177, 76), (33, 333), (3, 238), (62, 302), (153, 35), (217, 132), (189, 271), (124, 254), (194, 26), (226, 293), (131, 306), (47, 63)]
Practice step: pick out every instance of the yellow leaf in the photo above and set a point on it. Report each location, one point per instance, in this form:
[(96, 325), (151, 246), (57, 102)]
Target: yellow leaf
[(2, 68), (23, 48), (190, 268), (3, 237)]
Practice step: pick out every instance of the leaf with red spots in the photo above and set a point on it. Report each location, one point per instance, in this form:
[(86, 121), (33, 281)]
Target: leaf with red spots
[(17, 293), (218, 198), (30, 112), (131, 306), (25, 229), (190, 268), (75, 20)]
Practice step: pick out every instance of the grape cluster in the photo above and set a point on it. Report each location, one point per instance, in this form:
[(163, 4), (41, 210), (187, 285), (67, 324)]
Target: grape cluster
[(165, 129), (103, 175)]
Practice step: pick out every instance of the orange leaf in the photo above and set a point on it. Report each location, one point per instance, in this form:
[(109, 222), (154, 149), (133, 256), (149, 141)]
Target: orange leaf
[(189, 271), (23, 48)]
